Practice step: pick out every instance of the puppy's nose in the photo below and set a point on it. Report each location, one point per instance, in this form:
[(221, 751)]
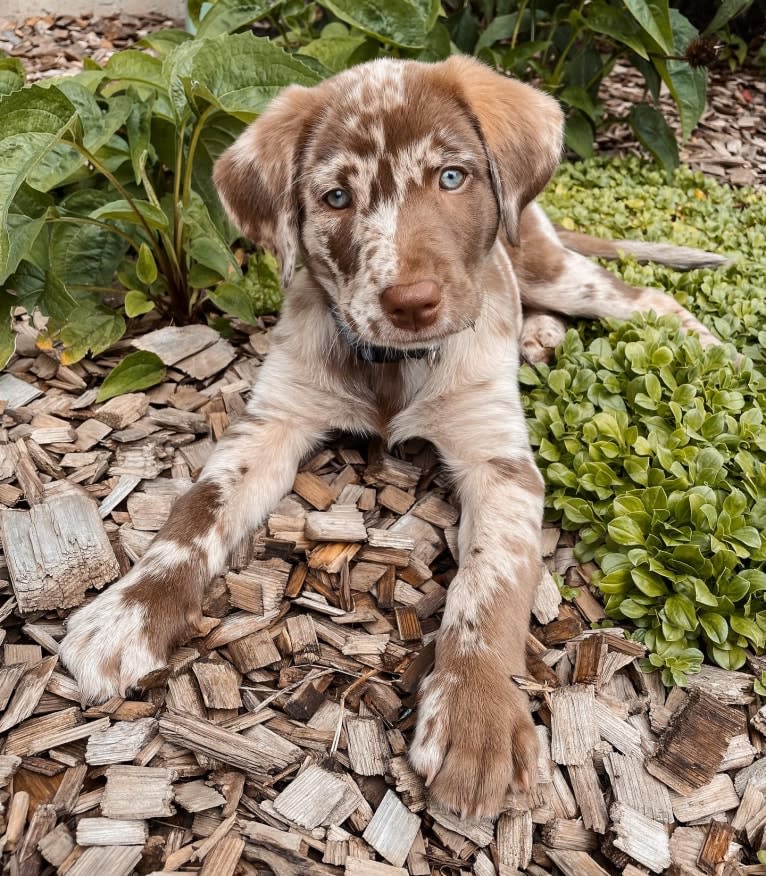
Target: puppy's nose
[(413, 306)]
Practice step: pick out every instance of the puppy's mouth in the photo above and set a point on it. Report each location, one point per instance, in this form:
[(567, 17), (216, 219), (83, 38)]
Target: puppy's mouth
[(370, 351)]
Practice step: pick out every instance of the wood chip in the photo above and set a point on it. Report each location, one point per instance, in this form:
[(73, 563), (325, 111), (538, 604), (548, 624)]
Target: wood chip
[(687, 765), (57, 550), (392, 830)]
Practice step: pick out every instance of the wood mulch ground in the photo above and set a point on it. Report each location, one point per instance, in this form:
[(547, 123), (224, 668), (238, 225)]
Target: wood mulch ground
[(277, 743)]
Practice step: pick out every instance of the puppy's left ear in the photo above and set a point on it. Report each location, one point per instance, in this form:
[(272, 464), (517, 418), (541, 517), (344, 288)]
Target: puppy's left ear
[(522, 128), (255, 176)]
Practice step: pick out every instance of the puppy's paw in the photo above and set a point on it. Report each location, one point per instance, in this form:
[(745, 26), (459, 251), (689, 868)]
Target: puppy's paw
[(541, 333), (474, 741), (108, 646)]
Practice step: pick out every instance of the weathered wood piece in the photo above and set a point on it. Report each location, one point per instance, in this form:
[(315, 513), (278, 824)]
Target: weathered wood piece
[(637, 789), (646, 841), (392, 830), (713, 852), (114, 860), (57, 550), (717, 796), (134, 792), (251, 754), (573, 728), (368, 748), (121, 743), (691, 749), (111, 832), (310, 798)]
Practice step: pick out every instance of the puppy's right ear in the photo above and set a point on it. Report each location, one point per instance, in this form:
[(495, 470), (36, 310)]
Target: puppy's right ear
[(255, 175)]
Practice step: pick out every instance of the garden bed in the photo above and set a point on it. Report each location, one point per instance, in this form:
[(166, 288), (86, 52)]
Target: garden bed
[(280, 738)]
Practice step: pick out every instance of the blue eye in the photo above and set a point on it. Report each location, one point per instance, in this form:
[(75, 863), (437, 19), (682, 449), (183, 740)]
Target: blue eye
[(451, 178), (338, 199)]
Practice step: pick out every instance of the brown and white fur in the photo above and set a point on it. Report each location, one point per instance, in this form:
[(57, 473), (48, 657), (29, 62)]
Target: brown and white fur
[(384, 132)]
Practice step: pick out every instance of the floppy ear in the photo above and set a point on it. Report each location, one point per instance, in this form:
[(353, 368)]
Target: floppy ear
[(255, 176), (522, 129)]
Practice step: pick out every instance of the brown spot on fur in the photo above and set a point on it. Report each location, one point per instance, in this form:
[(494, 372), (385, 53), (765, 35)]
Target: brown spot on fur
[(194, 514), (171, 599), (522, 472)]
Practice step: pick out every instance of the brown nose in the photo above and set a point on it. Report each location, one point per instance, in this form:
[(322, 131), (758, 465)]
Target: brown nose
[(413, 306)]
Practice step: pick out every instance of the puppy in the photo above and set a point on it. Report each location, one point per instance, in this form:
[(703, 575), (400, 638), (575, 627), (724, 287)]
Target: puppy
[(406, 190)]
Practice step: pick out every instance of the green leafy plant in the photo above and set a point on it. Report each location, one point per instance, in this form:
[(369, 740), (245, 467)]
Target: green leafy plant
[(569, 47), (655, 448), (108, 177)]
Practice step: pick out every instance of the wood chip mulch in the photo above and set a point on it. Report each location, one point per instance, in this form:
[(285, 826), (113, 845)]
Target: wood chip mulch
[(278, 742)]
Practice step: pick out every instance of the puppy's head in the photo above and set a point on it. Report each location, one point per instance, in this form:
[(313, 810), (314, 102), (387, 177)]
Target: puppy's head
[(391, 179)]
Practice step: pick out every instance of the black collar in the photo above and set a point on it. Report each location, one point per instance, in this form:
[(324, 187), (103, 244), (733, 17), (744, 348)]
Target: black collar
[(372, 353)]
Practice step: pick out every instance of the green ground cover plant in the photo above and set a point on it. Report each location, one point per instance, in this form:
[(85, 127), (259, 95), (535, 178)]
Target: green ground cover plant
[(653, 447)]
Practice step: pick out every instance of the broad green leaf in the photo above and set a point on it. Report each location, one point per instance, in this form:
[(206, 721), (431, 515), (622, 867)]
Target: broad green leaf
[(654, 18), (727, 9), (146, 267), (499, 28), (241, 74), (577, 97), (648, 583), (611, 21), (218, 133), (687, 85), (38, 288), (226, 16), (131, 67), (124, 211), (85, 254), (404, 23), (578, 134), (730, 658), (137, 371), (25, 220), (164, 41), (32, 122), (63, 162), (624, 530), (335, 54), (655, 135), (715, 626), (12, 75), (748, 628), (679, 610), (206, 245), (175, 72), (91, 328), (136, 303), (632, 609)]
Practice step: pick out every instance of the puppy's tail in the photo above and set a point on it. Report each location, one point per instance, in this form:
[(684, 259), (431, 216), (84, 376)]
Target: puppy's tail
[(682, 258)]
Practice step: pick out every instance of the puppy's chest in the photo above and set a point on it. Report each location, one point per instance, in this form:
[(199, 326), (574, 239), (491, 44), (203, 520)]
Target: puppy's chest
[(385, 391)]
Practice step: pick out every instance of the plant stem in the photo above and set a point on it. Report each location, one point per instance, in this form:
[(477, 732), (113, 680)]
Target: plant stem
[(192, 149), (159, 251), (517, 23)]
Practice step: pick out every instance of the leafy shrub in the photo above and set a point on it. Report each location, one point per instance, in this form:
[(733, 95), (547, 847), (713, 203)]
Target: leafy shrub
[(653, 447)]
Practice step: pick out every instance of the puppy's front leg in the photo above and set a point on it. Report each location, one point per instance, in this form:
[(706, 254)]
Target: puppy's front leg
[(475, 739), (131, 628)]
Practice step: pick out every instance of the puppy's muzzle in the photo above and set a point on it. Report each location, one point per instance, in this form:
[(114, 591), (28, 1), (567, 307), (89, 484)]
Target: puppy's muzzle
[(413, 306)]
